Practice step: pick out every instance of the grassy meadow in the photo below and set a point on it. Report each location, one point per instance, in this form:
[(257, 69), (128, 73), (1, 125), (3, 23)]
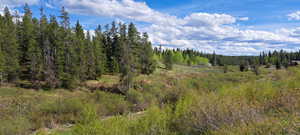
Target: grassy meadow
[(184, 101)]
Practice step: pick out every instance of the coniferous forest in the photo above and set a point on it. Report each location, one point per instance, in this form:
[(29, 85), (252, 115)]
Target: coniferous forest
[(50, 52)]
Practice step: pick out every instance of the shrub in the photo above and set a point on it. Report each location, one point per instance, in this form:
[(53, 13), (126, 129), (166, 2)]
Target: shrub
[(256, 69), (111, 104), (269, 126), (140, 101), (15, 126), (154, 122), (210, 112), (58, 111), (89, 123)]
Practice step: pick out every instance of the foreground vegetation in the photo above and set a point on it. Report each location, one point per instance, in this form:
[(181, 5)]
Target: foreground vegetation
[(184, 101)]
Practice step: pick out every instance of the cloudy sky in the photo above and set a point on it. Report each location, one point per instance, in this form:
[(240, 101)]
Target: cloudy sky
[(230, 27)]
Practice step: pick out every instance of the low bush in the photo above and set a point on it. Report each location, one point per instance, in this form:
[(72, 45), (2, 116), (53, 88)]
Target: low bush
[(15, 126), (152, 122), (210, 112), (58, 111), (110, 104)]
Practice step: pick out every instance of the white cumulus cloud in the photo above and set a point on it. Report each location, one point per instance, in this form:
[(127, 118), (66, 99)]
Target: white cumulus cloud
[(201, 31), (294, 15), (16, 3)]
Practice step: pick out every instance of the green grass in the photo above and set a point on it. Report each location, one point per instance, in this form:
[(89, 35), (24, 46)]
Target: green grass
[(184, 101)]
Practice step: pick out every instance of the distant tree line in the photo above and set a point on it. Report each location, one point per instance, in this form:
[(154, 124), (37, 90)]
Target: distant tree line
[(49, 52), (178, 56), (278, 58)]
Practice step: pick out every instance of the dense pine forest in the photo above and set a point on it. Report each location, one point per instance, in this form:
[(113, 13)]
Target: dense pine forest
[(51, 53)]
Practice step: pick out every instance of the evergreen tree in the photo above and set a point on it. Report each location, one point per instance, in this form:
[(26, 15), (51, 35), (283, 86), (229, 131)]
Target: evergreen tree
[(100, 56), (127, 65), (115, 48), (80, 57), (9, 48), (147, 61), (90, 58), (47, 43), (167, 60), (30, 50), (2, 58), (69, 76), (54, 55), (35, 56), (214, 63), (135, 46)]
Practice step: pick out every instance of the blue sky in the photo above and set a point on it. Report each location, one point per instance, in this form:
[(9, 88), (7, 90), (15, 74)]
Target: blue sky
[(230, 27)]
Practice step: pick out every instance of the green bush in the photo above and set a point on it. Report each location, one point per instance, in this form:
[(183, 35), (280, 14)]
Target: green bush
[(137, 99), (15, 126), (58, 111), (210, 112), (89, 123), (111, 104), (152, 122)]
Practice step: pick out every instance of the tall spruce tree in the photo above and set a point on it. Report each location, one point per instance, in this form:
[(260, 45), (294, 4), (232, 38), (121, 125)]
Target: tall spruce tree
[(30, 52), (56, 54), (35, 56), (47, 44), (9, 47), (135, 47), (100, 60), (69, 76), (127, 63), (90, 58), (80, 45), (1, 51)]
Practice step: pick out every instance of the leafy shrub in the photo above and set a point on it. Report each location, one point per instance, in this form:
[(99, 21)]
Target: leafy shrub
[(211, 112), (59, 111), (140, 101), (15, 126), (269, 126), (89, 123), (111, 104), (153, 122)]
